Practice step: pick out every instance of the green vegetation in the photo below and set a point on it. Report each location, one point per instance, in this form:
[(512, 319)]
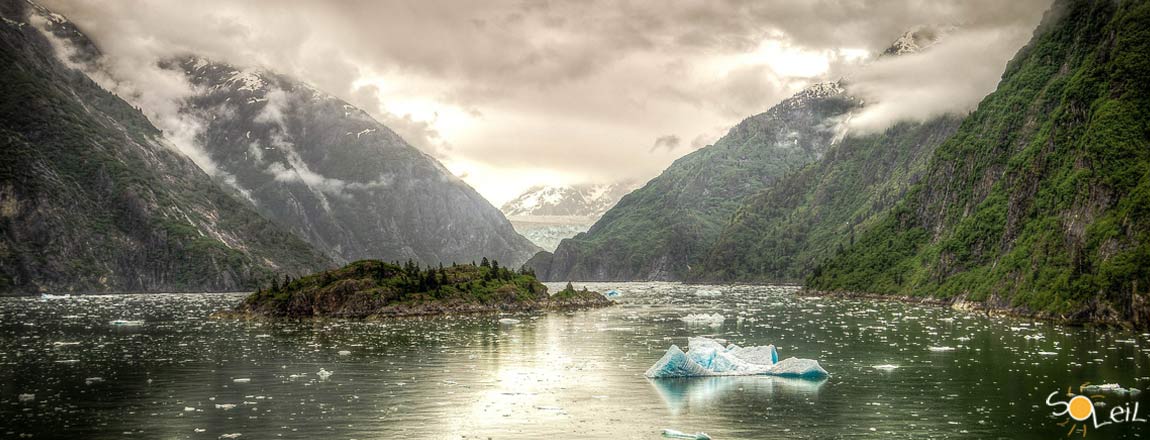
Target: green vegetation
[(372, 288), (1041, 200), (660, 230), (783, 233)]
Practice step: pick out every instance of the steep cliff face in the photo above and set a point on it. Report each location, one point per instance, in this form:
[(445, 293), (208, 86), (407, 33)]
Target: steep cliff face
[(93, 199), (1041, 200), (784, 232), (336, 177), (658, 231)]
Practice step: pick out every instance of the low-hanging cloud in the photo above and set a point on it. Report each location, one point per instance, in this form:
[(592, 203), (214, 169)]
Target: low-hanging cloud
[(668, 142), (951, 76), (520, 86)]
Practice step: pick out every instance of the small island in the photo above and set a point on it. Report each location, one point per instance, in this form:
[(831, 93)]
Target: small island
[(374, 289)]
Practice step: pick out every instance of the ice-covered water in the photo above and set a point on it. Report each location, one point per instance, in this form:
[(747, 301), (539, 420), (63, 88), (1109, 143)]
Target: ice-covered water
[(72, 368)]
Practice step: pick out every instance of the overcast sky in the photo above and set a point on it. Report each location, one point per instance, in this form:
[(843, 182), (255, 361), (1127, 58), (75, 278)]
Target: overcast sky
[(510, 94)]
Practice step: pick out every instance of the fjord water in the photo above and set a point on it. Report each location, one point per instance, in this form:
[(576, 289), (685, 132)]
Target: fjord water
[(182, 374)]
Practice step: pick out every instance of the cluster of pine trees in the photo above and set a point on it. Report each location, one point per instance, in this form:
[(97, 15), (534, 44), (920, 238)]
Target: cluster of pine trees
[(411, 276)]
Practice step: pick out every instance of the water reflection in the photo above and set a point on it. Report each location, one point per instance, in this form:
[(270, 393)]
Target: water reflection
[(550, 375), (684, 394)]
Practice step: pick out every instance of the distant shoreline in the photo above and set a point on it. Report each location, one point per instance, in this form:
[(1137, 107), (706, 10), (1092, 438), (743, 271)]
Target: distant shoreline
[(1081, 318)]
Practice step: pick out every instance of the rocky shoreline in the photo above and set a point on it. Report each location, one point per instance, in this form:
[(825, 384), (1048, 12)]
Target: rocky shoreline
[(1094, 314)]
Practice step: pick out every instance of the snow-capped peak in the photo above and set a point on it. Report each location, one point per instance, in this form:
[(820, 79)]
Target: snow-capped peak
[(916, 40), (586, 200)]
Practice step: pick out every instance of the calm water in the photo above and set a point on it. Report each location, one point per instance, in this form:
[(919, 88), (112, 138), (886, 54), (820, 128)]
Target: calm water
[(183, 375)]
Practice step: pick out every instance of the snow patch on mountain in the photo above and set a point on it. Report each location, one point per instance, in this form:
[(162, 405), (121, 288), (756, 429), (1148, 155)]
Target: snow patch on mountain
[(587, 200), (548, 214)]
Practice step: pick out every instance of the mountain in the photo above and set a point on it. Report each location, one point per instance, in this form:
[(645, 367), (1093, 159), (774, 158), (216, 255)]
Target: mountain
[(547, 215), (336, 177), (782, 233), (658, 231), (916, 40), (94, 199), (1040, 202), (586, 200)]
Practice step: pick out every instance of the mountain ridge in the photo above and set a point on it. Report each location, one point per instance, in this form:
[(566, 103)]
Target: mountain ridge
[(96, 200)]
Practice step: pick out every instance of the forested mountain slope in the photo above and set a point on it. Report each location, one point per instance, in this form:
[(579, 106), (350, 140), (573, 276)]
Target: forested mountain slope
[(1041, 200)]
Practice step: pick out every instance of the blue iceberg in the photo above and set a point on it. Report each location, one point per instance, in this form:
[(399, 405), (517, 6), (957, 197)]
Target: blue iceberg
[(708, 357), (613, 293)]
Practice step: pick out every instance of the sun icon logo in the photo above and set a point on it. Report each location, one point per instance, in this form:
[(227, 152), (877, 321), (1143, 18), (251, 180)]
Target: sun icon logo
[(1079, 408)]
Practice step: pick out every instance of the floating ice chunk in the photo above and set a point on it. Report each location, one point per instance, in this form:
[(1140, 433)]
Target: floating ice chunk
[(713, 320), (708, 357), (225, 406), (508, 321), (1110, 388), (798, 368), (92, 380), (1047, 353), (344, 352), (64, 344), (756, 355), (671, 433), (675, 363), (126, 323), (324, 374), (885, 367), (27, 397), (189, 409), (707, 292), (242, 380), (940, 348), (613, 293), (232, 435)]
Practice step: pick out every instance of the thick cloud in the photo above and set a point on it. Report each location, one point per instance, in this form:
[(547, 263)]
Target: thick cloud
[(516, 93)]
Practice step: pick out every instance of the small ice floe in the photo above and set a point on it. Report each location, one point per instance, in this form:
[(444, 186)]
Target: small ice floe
[(64, 344), (324, 374), (708, 357), (189, 409), (613, 293), (225, 406), (27, 397), (707, 293), (713, 319), (232, 435), (885, 367), (51, 296), (671, 433), (1110, 388), (940, 348), (127, 323), (242, 380), (508, 321), (68, 361), (1047, 353), (344, 352), (93, 380)]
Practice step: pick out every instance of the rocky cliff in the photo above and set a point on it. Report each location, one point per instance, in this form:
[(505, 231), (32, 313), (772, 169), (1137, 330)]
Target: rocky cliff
[(94, 199)]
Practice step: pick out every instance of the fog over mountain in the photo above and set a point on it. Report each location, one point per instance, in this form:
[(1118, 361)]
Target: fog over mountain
[(511, 95)]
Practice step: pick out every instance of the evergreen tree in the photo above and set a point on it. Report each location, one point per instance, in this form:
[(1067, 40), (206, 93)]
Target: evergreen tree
[(485, 263)]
